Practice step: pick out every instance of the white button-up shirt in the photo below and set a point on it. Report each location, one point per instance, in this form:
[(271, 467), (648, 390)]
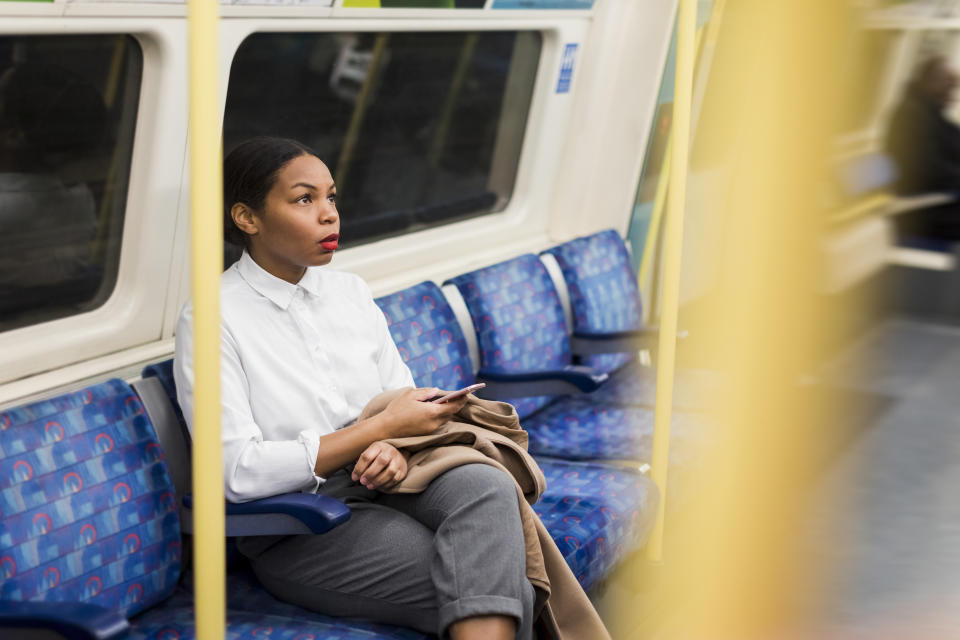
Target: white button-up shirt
[(297, 362)]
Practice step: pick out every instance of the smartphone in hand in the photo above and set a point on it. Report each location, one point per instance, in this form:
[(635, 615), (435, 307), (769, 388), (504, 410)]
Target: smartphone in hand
[(453, 395)]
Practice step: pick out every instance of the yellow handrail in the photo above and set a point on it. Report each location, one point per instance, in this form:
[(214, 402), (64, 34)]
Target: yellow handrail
[(876, 203), (206, 206), (680, 143), (706, 38), (653, 230)]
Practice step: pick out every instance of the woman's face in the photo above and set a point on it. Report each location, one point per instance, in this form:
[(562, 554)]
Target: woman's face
[(299, 226)]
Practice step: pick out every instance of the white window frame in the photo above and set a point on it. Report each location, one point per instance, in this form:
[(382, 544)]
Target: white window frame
[(133, 313), (438, 253), (137, 321)]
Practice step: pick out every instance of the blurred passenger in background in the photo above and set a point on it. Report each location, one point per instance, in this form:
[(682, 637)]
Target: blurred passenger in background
[(49, 120), (925, 144)]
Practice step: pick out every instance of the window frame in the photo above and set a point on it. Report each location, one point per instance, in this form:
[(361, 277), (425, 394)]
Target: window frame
[(132, 315), (136, 323), (502, 149), (437, 253)]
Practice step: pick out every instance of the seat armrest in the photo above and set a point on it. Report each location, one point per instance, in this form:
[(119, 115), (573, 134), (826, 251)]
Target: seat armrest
[(287, 514), (70, 620), (512, 384), (588, 343), (916, 202)]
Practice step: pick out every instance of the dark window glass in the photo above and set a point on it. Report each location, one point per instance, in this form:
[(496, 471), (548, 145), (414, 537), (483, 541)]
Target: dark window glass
[(418, 129), (67, 112)]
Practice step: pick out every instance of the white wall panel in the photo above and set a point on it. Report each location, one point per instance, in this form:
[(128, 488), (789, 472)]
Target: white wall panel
[(618, 79), (133, 314)]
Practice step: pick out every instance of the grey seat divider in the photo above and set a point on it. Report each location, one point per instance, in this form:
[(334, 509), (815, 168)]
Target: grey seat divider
[(169, 432), (177, 455)]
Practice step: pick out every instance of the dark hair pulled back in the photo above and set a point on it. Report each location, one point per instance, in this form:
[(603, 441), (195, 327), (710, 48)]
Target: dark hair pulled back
[(249, 172)]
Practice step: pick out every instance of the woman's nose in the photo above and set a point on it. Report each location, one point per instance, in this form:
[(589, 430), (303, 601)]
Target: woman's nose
[(328, 213)]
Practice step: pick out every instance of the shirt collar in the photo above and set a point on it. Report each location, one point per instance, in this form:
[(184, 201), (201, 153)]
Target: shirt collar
[(277, 290)]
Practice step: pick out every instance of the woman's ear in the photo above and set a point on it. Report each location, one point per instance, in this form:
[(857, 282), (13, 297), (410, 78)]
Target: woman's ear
[(245, 219)]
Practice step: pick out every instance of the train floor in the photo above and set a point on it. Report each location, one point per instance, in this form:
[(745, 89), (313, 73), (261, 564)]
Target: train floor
[(888, 530), (885, 532)]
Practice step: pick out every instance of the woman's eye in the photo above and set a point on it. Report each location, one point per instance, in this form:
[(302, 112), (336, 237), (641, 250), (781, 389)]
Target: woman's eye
[(332, 198), (305, 198)]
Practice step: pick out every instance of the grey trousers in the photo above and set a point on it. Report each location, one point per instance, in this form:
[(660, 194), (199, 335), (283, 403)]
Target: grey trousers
[(416, 560)]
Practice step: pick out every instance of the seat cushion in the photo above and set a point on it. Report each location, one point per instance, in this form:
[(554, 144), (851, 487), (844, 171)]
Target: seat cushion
[(254, 613), (596, 514), (519, 320), (630, 385), (89, 512), (636, 385), (575, 428), (178, 624), (428, 336)]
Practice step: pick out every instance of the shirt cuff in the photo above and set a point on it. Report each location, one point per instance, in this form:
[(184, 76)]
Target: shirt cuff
[(311, 447)]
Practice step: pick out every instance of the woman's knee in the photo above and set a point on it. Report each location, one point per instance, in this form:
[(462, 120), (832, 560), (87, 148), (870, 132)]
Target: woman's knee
[(474, 483)]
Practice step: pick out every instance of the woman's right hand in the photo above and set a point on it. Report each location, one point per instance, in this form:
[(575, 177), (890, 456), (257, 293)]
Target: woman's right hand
[(412, 414)]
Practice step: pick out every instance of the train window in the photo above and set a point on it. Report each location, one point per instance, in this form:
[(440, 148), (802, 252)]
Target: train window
[(658, 141), (419, 129), (67, 113), (657, 144)]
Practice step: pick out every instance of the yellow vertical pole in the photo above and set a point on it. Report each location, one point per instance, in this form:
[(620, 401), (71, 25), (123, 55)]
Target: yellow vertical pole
[(659, 204), (679, 152), (703, 42), (206, 206), (744, 566), (653, 231)]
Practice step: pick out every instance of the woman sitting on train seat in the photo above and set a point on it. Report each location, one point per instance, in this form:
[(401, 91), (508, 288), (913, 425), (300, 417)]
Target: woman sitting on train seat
[(303, 349)]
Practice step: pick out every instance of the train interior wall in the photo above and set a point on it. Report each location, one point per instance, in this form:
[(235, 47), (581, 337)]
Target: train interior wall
[(582, 150)]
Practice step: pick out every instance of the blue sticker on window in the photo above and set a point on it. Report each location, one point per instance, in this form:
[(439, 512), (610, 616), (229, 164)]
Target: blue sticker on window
[(566, 68)]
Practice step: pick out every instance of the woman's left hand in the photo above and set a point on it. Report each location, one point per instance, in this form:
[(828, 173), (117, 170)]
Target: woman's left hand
[(380, 467)]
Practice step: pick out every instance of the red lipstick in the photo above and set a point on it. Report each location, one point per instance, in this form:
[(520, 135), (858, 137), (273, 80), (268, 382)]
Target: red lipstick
[(331, 242)]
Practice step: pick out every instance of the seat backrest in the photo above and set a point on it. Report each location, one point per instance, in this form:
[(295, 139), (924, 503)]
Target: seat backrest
[(867, 173), (170, 430), (603, 288), (89, 511), (518, 319), (428, 336)]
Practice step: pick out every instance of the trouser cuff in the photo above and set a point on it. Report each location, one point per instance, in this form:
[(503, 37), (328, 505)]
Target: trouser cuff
[(478, 606)]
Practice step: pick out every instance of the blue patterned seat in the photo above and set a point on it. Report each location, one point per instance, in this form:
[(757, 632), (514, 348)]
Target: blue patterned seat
[(595, 513), (248, 625), (90, 516), (253, 613), (428, 336), (605, 297), (518, 320), (520, 327), (89, 513), (575, 429)]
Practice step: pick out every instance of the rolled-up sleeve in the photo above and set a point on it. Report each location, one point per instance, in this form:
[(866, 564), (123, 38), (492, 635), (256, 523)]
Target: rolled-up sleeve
[(252, 467)]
